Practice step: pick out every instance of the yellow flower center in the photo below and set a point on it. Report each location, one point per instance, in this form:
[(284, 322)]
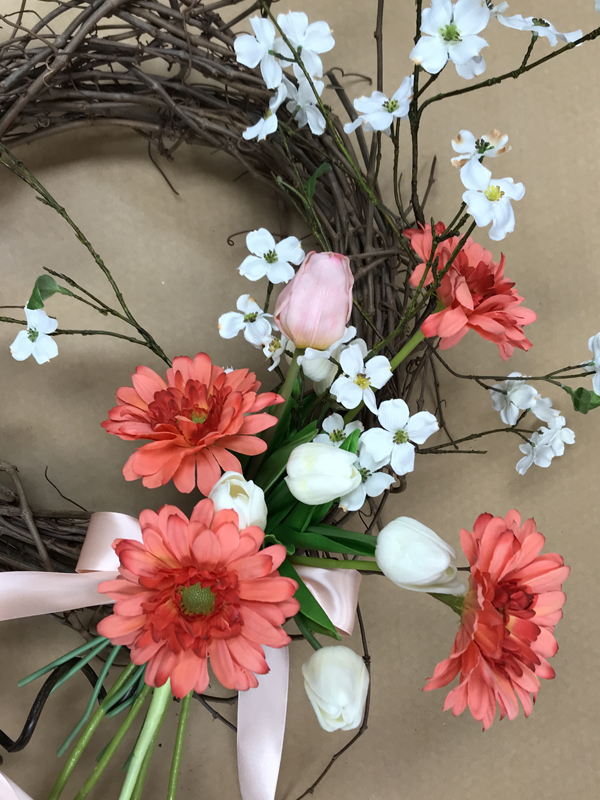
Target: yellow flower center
[(197, 600), (362, 381), (494, 193)]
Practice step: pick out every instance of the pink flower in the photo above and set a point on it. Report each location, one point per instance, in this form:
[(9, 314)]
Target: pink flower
[(511, 609), (475, 292), (194, 418), (315, 306), (199, 589)]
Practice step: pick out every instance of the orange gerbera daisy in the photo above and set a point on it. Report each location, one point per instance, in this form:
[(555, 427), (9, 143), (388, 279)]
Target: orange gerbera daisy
[(513, 603), (194, 417), (198, 589)]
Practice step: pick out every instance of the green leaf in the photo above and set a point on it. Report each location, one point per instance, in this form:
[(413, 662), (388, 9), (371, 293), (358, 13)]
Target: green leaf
[(583, 399), (45, 287), (271, 539), (311, 183), (280, 502), (274, 467), (315, 627), (455, 601), (310, 608), (351, 443), (316, 541), (364, 544)]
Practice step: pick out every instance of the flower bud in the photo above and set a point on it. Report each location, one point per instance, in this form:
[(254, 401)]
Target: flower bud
[(315, 306), (414, 557), (336, 682), (319, 473), (233, 491)]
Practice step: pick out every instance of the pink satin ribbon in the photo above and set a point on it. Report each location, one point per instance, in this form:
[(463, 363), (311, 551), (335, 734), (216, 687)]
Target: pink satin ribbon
[(261, 711)]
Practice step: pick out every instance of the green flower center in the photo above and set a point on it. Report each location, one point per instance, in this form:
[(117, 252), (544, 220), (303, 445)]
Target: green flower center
[(337, 435), (494, 193), (391, 105), (450, 33), (274, 346), (362, 381), (364, 474), (251, 317), (197, 600), (541, 23), (482, 146), (400, 437), (32, 334), (198, 417), (270, 257)]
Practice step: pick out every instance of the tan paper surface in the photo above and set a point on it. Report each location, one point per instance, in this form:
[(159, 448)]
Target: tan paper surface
[(170, 256)]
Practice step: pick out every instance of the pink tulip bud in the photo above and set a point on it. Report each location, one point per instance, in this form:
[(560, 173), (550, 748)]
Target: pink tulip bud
[(315, 306)]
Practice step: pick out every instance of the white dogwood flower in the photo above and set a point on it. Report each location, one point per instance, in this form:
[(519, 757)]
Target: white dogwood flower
[(514, 396), (546, 444), (308, 41), (594, 365), (303, 103), (335, 432), (373, 484), (268, 124), (258, 49), (450, 32), (249, 318), (317, 364), (489, 200), (377, 112), (271, 259), (274, 347), (490, 145), (358, 380), (394, 443), (540, 26), (35, 340)]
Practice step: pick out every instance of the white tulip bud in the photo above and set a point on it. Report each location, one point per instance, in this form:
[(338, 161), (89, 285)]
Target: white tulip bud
[(336, 682), (233, 491), (319, 473), (319, 370), (414, 557)]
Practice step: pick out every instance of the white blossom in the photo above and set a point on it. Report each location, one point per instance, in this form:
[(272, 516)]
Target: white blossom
[(274, 347), (269, 258), (373, 484), (253, 50), (594, 365), (319, 473), (335, 432), (317, 364), (35, 340), (244, 497), (514, 396), (268, 124), (303, 103), (394, 443), (490, 145), (475, 66), (358, 380), (450, 33), (336, 681), (377, 112), (545, 445), (489, 200), (540, 26), (308, 41), (249, 318)]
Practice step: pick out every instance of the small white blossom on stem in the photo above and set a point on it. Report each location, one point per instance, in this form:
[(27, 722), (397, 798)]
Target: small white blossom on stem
[(475, 66), (268, 124), (489, 200), (490, 145), (546, 444), (249, 318), (358, 380), (514, 396), (377, 112), (373, 484), (597, 5), (540, 26), (594, 365), (450, 33), (269, 258), (308, 41), (304, 104), (394, 443), (274, 347), (35, 340), (254, 50), (335, 432)]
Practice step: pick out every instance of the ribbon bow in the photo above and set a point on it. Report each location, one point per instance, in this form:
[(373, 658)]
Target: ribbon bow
[(261, 711)]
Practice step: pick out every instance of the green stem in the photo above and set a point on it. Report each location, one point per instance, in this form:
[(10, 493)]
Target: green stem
[(141, 779), (80, 664), (71, 763), (405, 351), (177, 752), (333, 563), (57, 662), (307, 633), (161, 698), (288, 385)]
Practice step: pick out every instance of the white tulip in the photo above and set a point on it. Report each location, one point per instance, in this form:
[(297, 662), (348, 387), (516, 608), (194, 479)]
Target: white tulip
[(233, 491), (320, 473), (336, 682), (414, 557)]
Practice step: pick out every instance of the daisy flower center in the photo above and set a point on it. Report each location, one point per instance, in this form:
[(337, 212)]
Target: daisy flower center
[(494, 193), (391, 105), (197, 600), (270, 257), (400, 437), (450, 33), (364, 474), (251, 317), (198, 417), (32, 334), (362, 381)]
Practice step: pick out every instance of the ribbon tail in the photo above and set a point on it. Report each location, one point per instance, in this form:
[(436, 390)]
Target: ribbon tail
[(10, 790), (261, 726)]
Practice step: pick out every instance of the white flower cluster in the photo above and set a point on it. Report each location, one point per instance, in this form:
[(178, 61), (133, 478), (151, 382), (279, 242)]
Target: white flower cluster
[(273, 53)]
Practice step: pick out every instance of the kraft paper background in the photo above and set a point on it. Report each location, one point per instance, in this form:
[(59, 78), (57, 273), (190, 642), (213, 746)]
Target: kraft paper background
[(170, 256)]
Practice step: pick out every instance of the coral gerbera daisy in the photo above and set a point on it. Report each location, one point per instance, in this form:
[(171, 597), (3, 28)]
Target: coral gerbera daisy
[(195, 590), (194, 417), (510, 611)]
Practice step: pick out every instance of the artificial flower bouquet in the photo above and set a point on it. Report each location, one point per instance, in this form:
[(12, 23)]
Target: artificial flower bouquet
[(278, 476)]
